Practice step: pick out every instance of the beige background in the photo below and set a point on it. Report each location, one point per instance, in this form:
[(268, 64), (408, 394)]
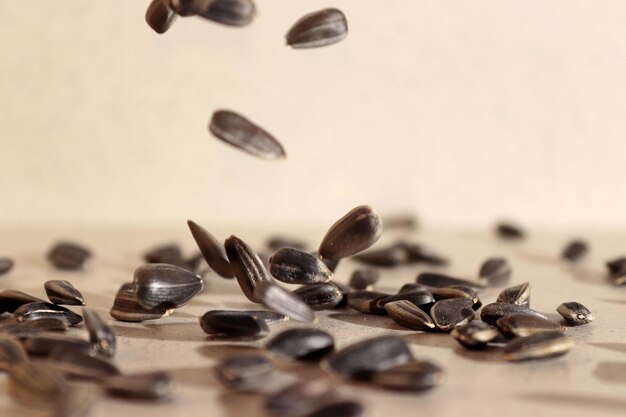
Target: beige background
[(462, 111)]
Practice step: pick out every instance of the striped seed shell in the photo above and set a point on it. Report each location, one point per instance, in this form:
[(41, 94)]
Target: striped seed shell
[(421, 254), (452, 312), (63, 292), (422, 299), (81, 364), (475, 334), (301, 398), (165, 286), (494, 311), (385, 257), (247, 267), (229, 12), (320, 296), (407, 314), (126, 307), (294, 266), (319, 28), (521, 325), (575, 250), (575, 313), (44, 344), (36, 311), (617, 267), (356, 231), (518, 295), (538, 346), (457, 291), (212, 250), (506, 230), (496, 271), (284, 302)]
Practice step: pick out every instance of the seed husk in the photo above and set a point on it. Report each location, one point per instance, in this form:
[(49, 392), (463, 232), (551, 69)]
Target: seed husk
[(422, 299), (496, 271), (386, 257), (518, 295), (36, 384), (575, 313), (303, 344), (212, 250), (126, 307), (494, 311), (439, 280), (238, 324), (457, 291), (159, 17), (475, 334), (356, 231), (343, 408), (364, 279), (421, 254), (246, 373), (36, 311), (6, 264), (320, 296), (101, 335), (316, 29), (521, 325), (509, 231), (366, 302), (66, 255), (165, 286), (362, 359), (81, 364), (416, 376), (294, 266), (149, 386), (11, 352), (10, 300), (228, 12), (284, 302), (242, 133), (538, 346), (452, 312), (407, 314), (278, 242), (63, 292), (45, 344), (301, 398), (247, 267), (575, 250), (617, 267)]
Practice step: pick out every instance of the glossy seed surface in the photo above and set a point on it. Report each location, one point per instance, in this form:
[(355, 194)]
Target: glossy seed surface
[(165, 286), (6, 264), (364, 279), (11, 352), (101, 335), (422, 299), (301, 344), (247, 267), (10, 300), (521, 325), (244, 372), (320, 296), (518, 295), (320, 28), (126, 307), (356, 231), (35, 311), (496, 271), (212, 250), (475, 334), (151, 386), (439, 280), (575, 313), (452, 312), (233, 324), (415, 376), (229, 12), (538, 346), (284, 302), (159, 17), (63, 292), (366, 302), (494, 311), (66, 255), (269, 317), (575, 251), (407, 314), (294, 266)]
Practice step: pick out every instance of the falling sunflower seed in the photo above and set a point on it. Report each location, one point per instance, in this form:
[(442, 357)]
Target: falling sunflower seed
[(320, 28), (150, 386), (301, 344), (238, 324), (284, 302), (63, 292), (494, 311), (407, 314), (165, 286), (522, 325), (575, 313), (228, 12), (496, 271), (101, 336), (356, 231), (416, 376), (452, 312), (247, 267), (159, 17), (66, 255), (538, 346), (212, 250), (518, 295), (294, 266), (475, 334), (364, 279), (320, 296)]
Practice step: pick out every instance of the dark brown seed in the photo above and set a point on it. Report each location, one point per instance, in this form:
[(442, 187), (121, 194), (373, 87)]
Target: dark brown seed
[(457, 291), (284, 302), (36, 311), (575, 313), (185, 8), (301, 344), (320, 296), (344, 408), (320, 28), (439, 280), (159, 17), (246, 373), (212, 250), (362, 359), (364, 279), (295, 266), (6, 264), (450, 313), (356, 231), (151, 386), (101, 336), (518, 295), (416, 376), (617, 267), (421, 299), (421, 254), (407, 314), (45, 344), (36, 384), (10, 300), (269, 317), (126, 307), (239, 324), (65, 255), (11, 352), (63, 292), (247, 267), (229, 12), (575, 251), (496, 271), (509, 231), (494, 311), (301, 398), (241, 133), (278, 242), (169, 253), (366, 301), (521, 325), (81, 364), (386, 257), (475, 334), (165, 286), (411, 287), (44, 324), (538, 346)]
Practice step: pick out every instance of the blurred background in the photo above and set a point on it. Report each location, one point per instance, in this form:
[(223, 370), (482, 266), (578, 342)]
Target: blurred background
[(462, 112)]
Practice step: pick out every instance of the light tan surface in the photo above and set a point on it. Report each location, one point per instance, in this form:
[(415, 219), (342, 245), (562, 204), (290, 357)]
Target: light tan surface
[(589, 381)]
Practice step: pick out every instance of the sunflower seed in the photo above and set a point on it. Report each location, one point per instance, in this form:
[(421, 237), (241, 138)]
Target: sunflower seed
[(241, 133), (538, 346), (10, 300), (36, 384), (421, 254), (521, 325), (212, 250), (452, 312), (617, 267), (81, 364), (360, 360), (494, 311), (101, 336), (247, 267), (45, 344), (151, 386), (6, 264), (126, 307), (496, 271), (44, 324), (343, 408), (364, 279), (283, 301), (575, 251), (575, 313), (77, 401), (229, 12), (65, 255), (386, 257), (415, 376), (165, 286), (294, 266), (475, 334), (366, 301), (320, 296), (233, 324), (509, 231), (278, 242), (407, 314), (185, 8), (159, 17), (422, 299), (518, 295), (457, 291), (320, 28), (269, 317), (301, 344), (63, 292), (11, 352), (439, 280), (354, 232), (301, 398), (169, 253), (35, 311), (246, 373), (411, 287)]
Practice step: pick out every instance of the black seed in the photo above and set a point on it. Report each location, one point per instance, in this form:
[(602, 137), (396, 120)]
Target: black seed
[(364, 279), (518, 295), (575, 251), (475, 334), (101, 336), (344, 408), (11, 352), (44, 324), (538, 346), (366, 301), (278, 242), (229, 12), (411, 287), (320, 28), (269, 317), (496, 271), (295, 266), (521, 325), (301, 344), (361, 360), (36, 384), (45, 344), (65, 255), (617, 267), (407, 314), (284, 302), (152, 386), (159, 17), (422, 299), (63, 292), (212, 250), (354, 232), (494, 311), (81, 364), (457, 291), (439, 280), (36, 311), (165, 286), (575, 313), (421, 254), (416, 376), (10, 300), (452, 312), (126, 307), (300, 398), (6, 264), (387, 257), (320, 296), (244, 372), (247, 267), (233, 323), (509, 231)]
